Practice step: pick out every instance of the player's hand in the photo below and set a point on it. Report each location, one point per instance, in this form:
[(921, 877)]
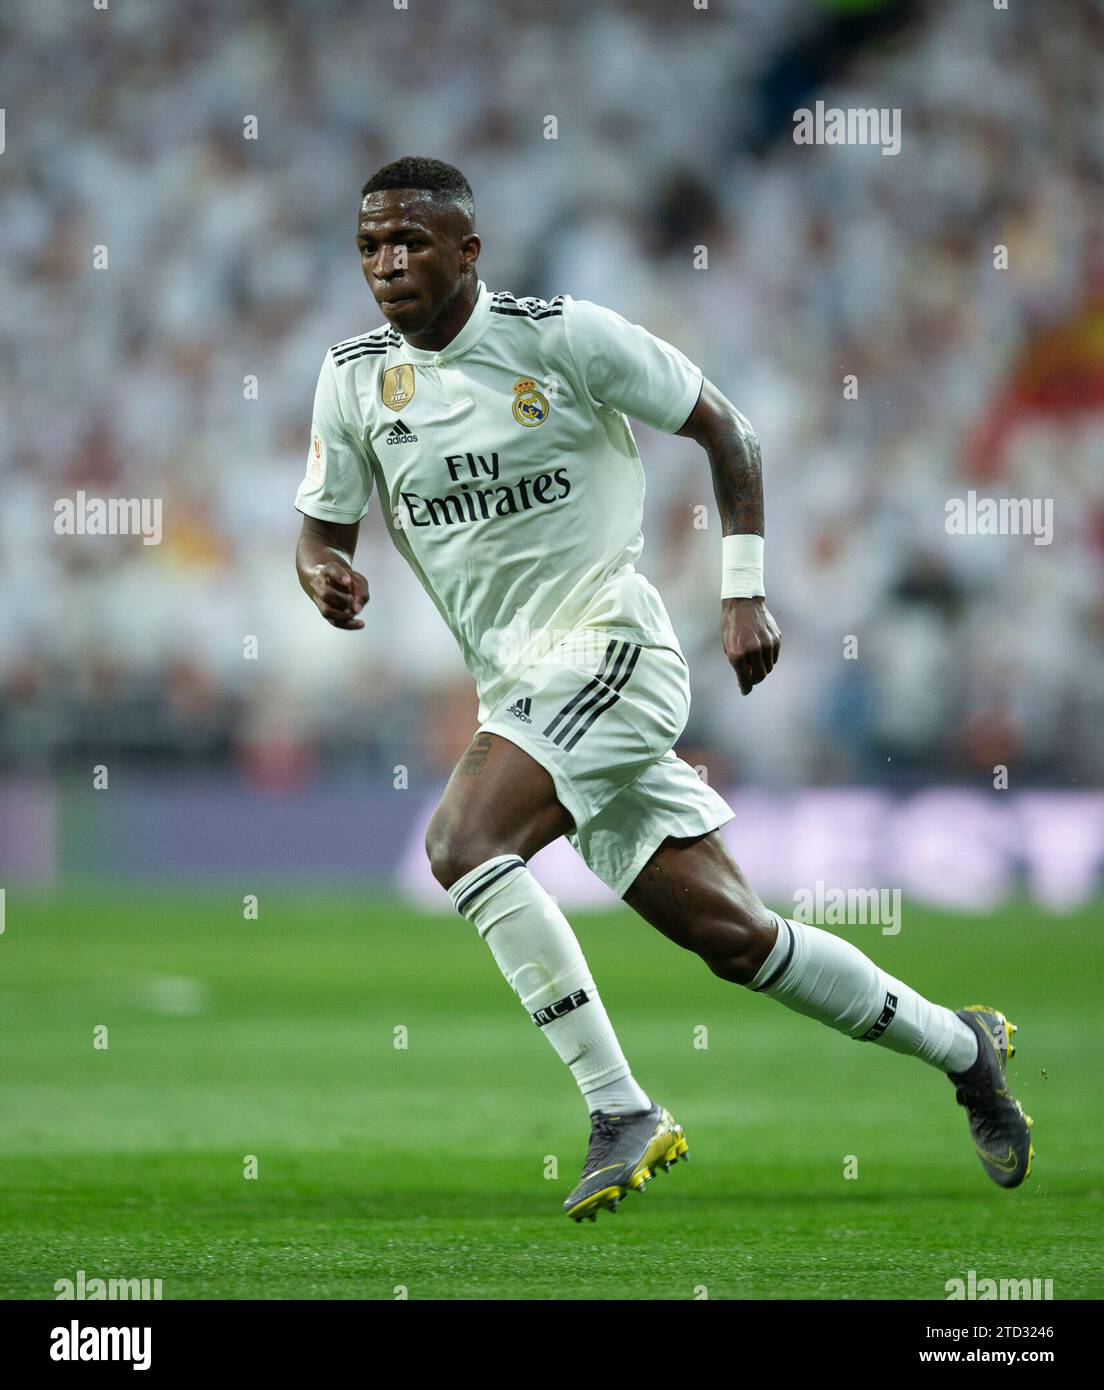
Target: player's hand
[(339, 594), (751, 640)]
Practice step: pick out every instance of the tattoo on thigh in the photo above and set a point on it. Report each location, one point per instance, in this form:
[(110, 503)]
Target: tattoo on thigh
[(475, 758)]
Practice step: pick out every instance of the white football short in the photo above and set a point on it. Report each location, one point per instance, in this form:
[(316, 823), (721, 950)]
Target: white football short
[(601, 713)]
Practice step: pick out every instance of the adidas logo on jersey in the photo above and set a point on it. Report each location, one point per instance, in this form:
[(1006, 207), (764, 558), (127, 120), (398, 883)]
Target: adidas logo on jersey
[(521, 708), (399, 434)]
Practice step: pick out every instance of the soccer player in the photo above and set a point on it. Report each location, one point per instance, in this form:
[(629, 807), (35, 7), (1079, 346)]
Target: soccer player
[(494, 430)]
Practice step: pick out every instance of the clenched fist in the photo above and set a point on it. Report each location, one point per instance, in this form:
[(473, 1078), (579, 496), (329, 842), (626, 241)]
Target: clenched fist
[(751, 639), (339, 593)]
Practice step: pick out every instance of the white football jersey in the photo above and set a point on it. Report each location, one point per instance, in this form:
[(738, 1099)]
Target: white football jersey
[(507, 471)]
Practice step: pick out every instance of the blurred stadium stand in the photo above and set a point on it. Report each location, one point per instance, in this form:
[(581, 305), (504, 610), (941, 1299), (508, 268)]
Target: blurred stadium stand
[(232, 258)]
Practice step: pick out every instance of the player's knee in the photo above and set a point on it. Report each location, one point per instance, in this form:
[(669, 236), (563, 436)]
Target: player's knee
[(453, 852), (741, 949), (445, 853)]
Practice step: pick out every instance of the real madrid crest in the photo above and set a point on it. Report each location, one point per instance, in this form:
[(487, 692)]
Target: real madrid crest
[(397, 386), (530, 407)]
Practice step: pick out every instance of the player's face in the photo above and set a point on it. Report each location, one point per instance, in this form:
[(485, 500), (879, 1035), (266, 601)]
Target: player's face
[(413, 252)]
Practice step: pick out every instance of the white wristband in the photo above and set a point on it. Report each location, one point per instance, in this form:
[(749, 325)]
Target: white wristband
[(742, 567)]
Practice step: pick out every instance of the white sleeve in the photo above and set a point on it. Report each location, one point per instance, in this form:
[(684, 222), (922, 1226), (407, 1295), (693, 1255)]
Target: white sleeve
[(625, 367), (338, 482)]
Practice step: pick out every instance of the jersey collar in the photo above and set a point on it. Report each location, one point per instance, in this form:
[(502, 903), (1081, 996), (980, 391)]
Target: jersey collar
[(477, 324)]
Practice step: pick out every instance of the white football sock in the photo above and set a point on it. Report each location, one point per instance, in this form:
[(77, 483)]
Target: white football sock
[(821, 975), (542, 961)]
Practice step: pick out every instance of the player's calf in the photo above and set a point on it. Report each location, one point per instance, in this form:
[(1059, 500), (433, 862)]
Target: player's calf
[(735, 946), (693, 892)]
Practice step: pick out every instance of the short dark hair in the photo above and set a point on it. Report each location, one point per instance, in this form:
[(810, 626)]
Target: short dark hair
[(433, 175)]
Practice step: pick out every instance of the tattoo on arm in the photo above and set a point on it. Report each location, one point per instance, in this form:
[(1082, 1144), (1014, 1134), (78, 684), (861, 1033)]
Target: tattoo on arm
[(737, 466)]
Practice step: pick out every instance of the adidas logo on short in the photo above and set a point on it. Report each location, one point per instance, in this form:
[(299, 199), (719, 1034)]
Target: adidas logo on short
[(399, 434), (521, 708)]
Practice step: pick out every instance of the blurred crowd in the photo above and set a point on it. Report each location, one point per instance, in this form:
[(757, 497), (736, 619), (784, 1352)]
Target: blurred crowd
[(169, 286)]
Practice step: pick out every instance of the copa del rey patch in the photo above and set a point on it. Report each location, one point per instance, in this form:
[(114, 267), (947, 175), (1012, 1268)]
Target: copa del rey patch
[(316, 461)]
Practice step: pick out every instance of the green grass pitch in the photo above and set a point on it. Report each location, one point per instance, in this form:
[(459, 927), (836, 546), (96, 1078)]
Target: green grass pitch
[(381, 1169)]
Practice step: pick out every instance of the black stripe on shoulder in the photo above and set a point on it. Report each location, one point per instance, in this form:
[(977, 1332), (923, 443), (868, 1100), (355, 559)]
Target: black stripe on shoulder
[(528, 307), (365, 347), (376, 335), (345, 358), (527, 313), (384, 334)]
